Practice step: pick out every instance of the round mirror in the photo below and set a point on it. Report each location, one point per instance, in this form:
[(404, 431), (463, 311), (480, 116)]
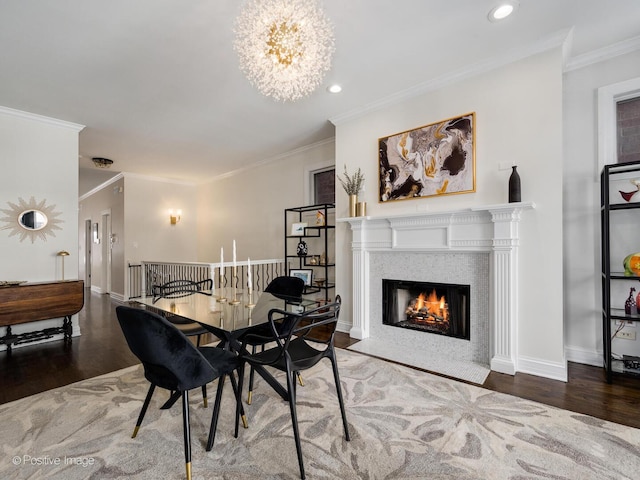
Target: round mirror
[(32, 220)]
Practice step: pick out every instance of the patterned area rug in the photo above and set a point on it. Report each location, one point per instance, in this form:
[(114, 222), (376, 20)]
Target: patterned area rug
[(404, 424)]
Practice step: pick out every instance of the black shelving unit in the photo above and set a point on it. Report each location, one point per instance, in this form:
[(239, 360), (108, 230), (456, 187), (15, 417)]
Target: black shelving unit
[(613, 364), (318, 242)]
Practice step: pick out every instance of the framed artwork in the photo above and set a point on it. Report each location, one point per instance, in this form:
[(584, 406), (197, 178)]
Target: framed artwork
[(433, 160), (297, 229), (305, 274)]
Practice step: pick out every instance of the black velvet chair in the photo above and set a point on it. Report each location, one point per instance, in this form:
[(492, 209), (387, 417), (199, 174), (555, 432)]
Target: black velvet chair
[(183, 288), (289, 287), (285, 285), (172, 362), (307, 342)]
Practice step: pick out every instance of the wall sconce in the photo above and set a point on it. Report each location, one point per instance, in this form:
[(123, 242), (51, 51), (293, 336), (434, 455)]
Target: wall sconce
[(175, 217)]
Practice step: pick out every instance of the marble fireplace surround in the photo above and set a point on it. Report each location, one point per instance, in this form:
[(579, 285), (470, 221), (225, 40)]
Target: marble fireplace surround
[(491, 229)]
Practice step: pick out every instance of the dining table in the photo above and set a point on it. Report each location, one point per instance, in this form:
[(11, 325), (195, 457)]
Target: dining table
[(229, 314)]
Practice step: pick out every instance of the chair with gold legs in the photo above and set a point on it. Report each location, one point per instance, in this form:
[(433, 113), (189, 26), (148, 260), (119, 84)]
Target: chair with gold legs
[(299, 347), (173, 362)]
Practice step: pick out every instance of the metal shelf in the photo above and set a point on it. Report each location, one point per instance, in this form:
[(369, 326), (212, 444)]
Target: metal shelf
[(611, 363), (318, 234)]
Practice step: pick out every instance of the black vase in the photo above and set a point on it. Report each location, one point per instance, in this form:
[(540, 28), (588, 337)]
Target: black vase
[(302, 248), (514, 186)]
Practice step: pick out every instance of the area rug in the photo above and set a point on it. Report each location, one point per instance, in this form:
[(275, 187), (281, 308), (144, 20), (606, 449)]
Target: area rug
[(405, 424)]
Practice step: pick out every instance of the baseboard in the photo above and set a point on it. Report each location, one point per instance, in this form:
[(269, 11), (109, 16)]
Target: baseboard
[(118, 297), (584, 356), (343, 327), (542, 368), (503, 366)]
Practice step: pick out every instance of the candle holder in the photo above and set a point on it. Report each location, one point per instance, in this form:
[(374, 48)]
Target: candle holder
[(250, 303), (235, 300), (213, 305), (221, 298)]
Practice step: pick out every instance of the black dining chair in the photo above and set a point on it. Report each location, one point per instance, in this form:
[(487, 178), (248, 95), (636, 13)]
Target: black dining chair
[(183, 288), (286, 285), (289, 287), (172, 362), (307, 342)]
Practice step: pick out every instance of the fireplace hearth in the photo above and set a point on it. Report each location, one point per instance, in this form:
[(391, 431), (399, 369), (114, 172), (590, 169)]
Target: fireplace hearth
[(439, 308)]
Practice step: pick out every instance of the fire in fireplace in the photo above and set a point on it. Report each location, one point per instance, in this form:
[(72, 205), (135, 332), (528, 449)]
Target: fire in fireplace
[(430, 307)]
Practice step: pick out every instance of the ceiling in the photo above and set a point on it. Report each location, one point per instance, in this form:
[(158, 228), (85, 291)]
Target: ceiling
[(157, 83)]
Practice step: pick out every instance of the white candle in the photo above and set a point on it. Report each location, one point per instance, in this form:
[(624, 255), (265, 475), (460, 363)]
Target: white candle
[(234, 256), (221, 265), (249, 274)]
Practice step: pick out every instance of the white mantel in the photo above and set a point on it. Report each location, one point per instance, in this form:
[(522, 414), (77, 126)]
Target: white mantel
[(492, 229)]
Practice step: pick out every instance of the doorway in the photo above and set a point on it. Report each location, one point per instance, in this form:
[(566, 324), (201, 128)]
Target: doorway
[(87, 253), (105, 243)]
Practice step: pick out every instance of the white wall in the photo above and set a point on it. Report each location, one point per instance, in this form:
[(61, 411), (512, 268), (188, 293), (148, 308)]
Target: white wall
[(249, 207), (39, 158), (518, 119), (582, 284), (148, 232), (139, 207)]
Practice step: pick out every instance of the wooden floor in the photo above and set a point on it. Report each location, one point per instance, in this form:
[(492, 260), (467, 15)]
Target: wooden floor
[(102, 349)]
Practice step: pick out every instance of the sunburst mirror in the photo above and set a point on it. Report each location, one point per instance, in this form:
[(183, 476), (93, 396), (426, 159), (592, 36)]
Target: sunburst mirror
[(31, 219)]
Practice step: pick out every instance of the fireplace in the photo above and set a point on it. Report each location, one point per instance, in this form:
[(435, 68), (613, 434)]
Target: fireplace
[(439, 308), (476, 246)]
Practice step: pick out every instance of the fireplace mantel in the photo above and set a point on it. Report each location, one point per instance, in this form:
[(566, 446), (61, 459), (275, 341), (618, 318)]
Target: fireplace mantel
[(492, 228)]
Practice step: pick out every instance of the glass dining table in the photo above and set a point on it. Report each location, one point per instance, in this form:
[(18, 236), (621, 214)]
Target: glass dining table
[(229, 314)]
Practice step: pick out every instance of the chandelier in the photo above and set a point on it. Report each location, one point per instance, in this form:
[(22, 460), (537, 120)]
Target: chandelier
[(284, 46), (102, 162)]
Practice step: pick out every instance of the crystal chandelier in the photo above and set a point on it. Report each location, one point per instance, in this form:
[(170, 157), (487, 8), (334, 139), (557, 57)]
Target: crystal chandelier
[(284, 46)]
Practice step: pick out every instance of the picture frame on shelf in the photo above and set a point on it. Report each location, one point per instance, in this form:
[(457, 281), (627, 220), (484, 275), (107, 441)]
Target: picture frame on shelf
[(305, 274), (297, 229)]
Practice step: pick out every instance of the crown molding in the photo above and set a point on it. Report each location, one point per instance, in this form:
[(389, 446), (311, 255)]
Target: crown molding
[(151, 178), (41, 118), (137, 176), (274, 158), (100, 187), (604, 53), (552, 41)]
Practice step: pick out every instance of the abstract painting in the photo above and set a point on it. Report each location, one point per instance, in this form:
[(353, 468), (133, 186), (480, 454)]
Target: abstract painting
[(436, 159)]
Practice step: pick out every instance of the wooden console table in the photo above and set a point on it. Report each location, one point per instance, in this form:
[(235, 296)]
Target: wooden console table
[(30, 302)]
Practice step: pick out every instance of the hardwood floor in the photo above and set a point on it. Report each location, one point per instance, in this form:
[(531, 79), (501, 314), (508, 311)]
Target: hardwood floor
[(102, 349)]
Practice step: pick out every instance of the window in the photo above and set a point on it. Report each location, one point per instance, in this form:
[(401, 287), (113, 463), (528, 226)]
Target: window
[(324, 186), (628, 130), (609, 97)]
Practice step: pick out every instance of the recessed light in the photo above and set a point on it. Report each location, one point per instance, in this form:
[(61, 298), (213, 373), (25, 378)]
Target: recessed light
[(502, 11), (334, 89)]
